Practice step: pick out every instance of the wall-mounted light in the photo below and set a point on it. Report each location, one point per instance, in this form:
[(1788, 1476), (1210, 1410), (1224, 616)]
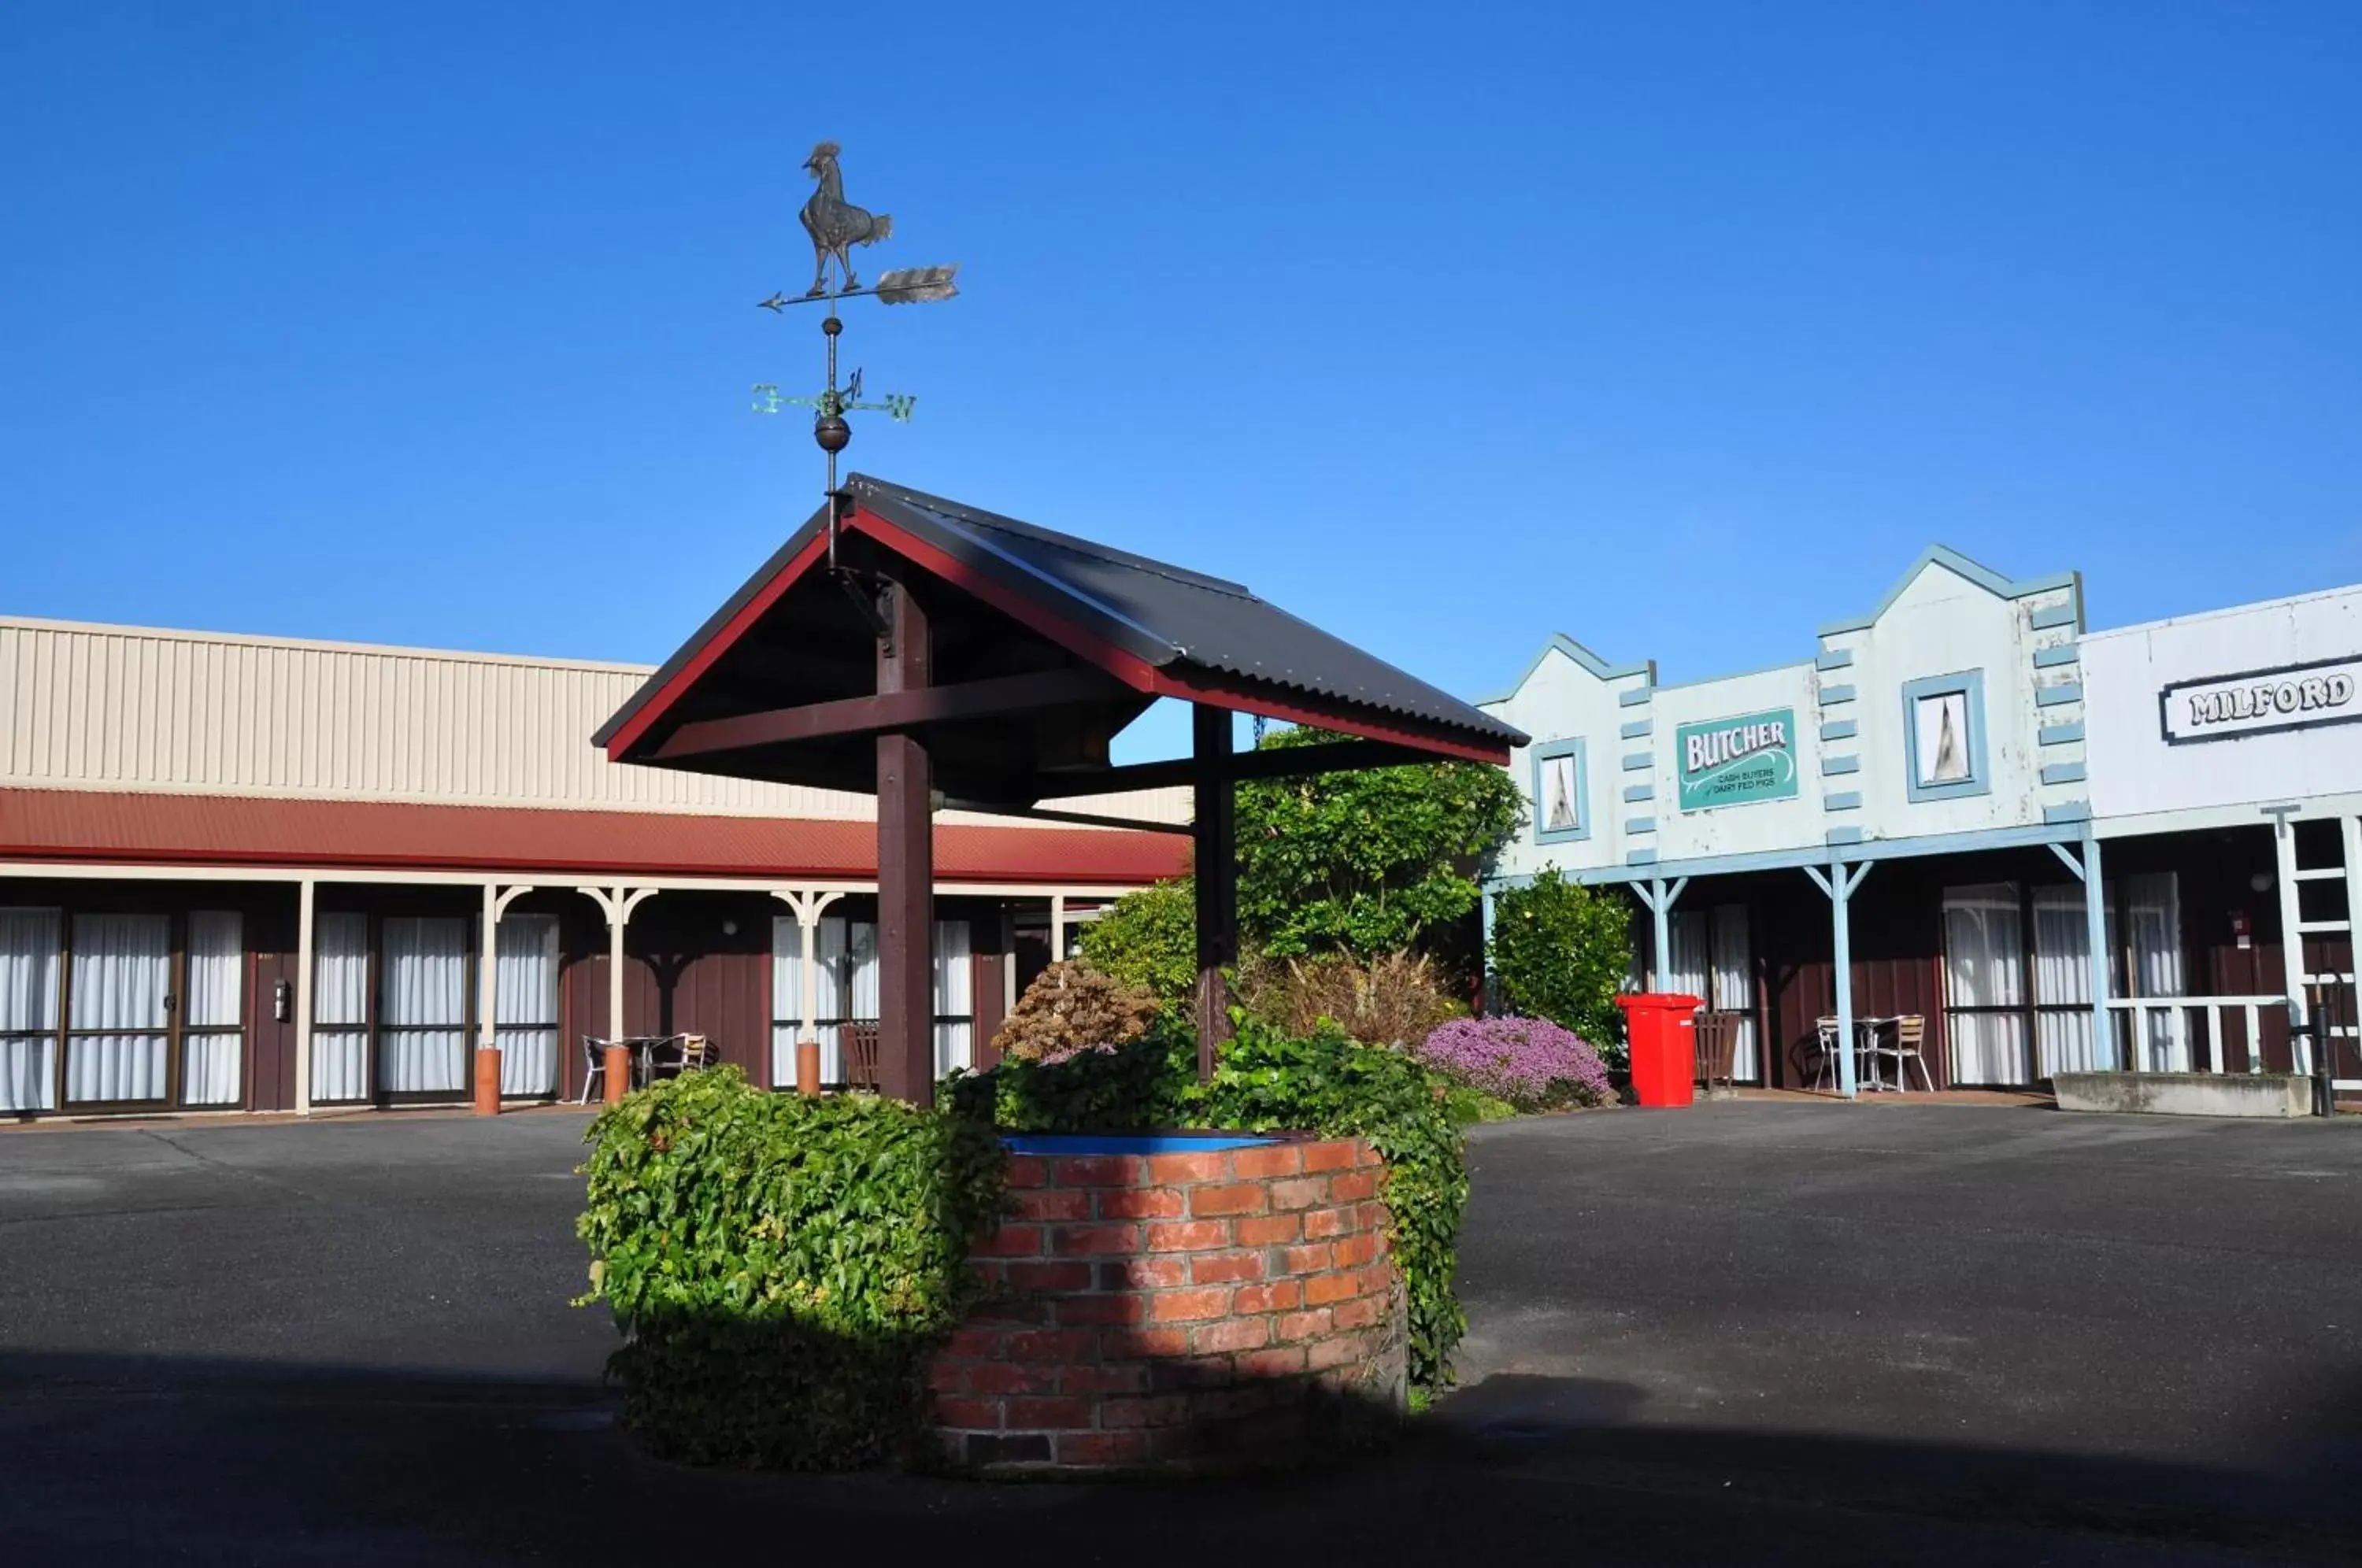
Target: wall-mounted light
[(729, 928), (2261, 881)]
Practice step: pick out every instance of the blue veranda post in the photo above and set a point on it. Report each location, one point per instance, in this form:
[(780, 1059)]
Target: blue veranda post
[(895, 615)]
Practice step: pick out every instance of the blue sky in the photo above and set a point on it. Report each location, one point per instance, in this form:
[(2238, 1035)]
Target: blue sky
[(1679, 328)]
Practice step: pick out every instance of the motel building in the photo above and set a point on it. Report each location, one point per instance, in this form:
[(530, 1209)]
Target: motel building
[(184, 817), (1980, 840)]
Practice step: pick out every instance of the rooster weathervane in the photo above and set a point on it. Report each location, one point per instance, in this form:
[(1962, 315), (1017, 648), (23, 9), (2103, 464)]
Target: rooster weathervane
[(836, 226)]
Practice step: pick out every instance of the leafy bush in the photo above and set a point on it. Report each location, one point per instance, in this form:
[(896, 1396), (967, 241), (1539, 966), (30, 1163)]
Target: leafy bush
[(782, 1266), (1268, 1079), (1561, 950), (1072, 1007), (1529, 1062), (1364, 862), (1393, 1000), (1149, 938)]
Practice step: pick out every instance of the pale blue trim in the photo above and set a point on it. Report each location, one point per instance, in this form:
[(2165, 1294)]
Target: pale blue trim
[(1833, 659), (1912, 848), (2051, 615), (1641, 858), (1580, 750), (1839, 729), (1636, 729), (1833, 765), (1561, 643), (1843, 801), (1984, 576), (1633, 698), (2059, 696), (2062, 773), (1639, 793), (2073, 811), (1980, 778), (1637, 761), (1843, 835), (1640, 824), (2052, 657), (1833, 695), (2060, 734)]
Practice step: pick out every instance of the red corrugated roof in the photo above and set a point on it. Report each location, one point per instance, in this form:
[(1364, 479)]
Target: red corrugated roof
[(88, 825)]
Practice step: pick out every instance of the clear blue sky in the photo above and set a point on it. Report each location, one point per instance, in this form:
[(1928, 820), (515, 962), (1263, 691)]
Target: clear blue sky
[(1676, 327)]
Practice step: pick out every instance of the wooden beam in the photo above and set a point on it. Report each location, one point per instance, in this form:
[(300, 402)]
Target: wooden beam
[(1081, 819), (892, 710), (1277, 762), (905, 871), (1216, 878)]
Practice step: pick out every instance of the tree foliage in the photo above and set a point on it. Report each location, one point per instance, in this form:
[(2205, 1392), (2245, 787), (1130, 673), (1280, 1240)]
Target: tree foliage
[(1149, 938), (1364, 862), (1071, 1006), (1561, 950)]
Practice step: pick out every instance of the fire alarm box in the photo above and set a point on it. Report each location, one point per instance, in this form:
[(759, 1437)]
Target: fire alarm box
[(2241, 930)]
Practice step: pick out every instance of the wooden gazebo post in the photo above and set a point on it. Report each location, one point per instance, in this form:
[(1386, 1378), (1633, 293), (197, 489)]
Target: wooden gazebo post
[(905, 867), (1216, 876)]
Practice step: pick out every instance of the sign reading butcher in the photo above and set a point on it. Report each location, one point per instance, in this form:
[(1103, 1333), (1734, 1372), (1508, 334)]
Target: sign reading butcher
[(2259, 702), (1729, 762)]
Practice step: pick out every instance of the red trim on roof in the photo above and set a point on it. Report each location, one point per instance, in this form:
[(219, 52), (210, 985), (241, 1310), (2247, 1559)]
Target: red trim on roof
[(716, 645), (226, 830)]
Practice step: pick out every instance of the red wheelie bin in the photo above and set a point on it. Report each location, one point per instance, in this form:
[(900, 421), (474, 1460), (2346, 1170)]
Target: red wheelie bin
[(1662, 1030)]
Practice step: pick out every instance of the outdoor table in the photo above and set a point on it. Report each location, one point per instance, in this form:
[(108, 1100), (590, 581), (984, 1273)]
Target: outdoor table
[(1866, 1033)]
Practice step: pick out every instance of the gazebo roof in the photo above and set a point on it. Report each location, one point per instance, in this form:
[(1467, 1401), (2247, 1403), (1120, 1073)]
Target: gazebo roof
[(1051, 641)]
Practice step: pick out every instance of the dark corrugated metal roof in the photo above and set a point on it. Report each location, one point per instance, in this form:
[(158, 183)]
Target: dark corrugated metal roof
[(1166, 614), (96, 824)]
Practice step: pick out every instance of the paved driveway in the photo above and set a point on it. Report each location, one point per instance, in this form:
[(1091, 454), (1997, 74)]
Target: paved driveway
[(1756, 1333)]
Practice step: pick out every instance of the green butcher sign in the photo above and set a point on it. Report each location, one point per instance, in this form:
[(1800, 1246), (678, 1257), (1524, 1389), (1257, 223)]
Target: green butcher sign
[(1733, 762)]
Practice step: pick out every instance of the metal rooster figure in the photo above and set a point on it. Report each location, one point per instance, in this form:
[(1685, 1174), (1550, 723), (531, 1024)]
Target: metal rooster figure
[(836, 226)]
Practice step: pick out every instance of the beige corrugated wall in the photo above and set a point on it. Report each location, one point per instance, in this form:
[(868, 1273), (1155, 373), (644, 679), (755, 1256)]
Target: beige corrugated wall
[(92, 707)]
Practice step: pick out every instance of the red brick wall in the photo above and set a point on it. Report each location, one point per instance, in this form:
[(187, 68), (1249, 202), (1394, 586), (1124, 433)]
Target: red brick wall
[(1177, 1311)]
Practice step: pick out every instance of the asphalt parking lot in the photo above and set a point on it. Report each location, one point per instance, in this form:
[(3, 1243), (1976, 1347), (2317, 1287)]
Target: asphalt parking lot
[(1752, 1332)]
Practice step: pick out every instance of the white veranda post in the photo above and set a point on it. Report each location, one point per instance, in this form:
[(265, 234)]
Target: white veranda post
[(497, 900), (1839, 885), (616, 904), (1661, 899), (304, 902), (808, 904), (2095, 939)]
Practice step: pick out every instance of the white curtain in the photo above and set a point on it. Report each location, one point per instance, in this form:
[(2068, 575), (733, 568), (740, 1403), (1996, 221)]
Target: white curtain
[(955, 1041), (211, 1045), (423, 1036), (1984, 958), (1684, 971), (2153, 910), (786, 995), (1734, 983), (122, 972), (524, 1003), (340, 992), (28, 1009), (2062, 977)]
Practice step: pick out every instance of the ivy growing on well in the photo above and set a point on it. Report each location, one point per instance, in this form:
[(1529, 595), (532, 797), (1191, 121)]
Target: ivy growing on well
[(782, 1268)]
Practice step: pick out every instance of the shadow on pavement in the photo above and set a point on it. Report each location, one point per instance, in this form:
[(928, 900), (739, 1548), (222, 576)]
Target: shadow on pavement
[(110, 1459)]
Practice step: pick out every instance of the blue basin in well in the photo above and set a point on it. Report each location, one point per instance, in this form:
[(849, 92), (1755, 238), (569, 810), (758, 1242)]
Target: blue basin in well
[(1131, 1143)]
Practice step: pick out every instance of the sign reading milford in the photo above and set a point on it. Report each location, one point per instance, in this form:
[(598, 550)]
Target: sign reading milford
[(1732, 762), (2258, 702)]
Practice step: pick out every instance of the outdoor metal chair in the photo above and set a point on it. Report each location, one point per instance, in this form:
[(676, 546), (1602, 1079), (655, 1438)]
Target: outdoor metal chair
[(594, 1068), (680, 1053), (1718, 1047), (1910, 1034), (1824, 1048), (857, 1045)]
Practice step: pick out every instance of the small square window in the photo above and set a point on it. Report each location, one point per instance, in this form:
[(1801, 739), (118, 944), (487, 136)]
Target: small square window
[(1944, 736), (1561, 805)]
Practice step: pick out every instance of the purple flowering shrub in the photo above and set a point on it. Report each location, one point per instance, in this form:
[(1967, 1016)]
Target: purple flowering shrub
[(1532, 1063)]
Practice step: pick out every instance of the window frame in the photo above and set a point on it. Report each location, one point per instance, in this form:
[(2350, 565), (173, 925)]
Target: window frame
[(1577, 747), (1971, 685)]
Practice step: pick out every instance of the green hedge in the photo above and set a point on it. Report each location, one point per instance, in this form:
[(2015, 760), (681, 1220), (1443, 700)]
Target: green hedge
[(782, 1266), (1267, 1080)]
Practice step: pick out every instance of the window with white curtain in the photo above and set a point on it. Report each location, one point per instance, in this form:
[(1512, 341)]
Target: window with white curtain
[(213, 1039), (341, 1009), (2153, 963), (1984, 983), (524, 1003), (2062, 980), (845, 951), (28, 1009), (1734, 984), (422, 996), (118, 984)]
